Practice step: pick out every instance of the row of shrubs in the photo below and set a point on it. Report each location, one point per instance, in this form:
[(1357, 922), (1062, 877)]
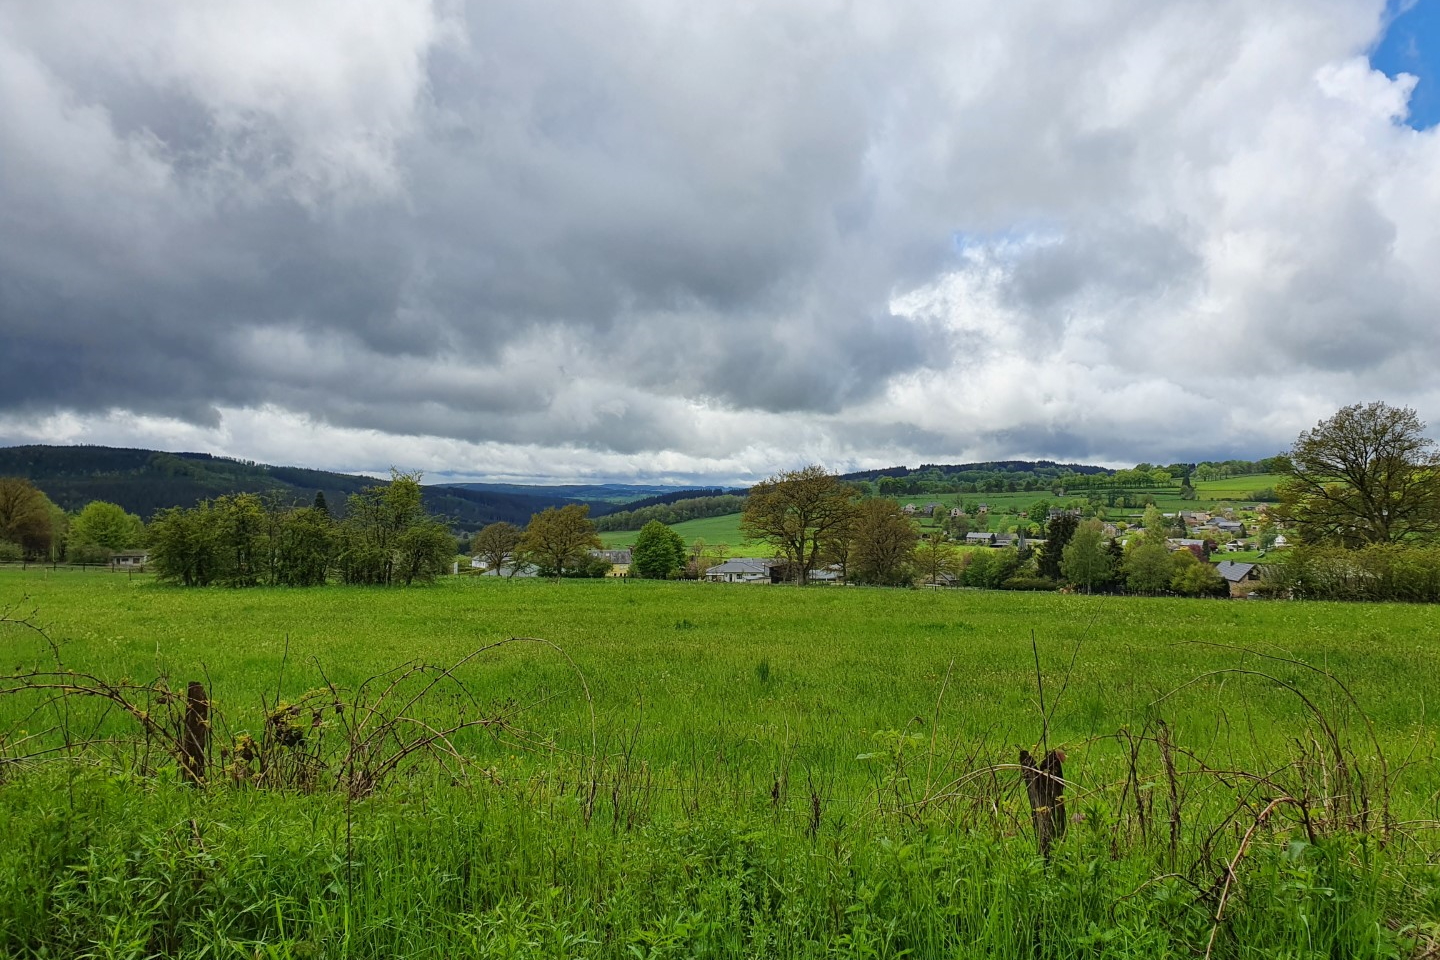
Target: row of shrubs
[(1378, 572), (244, 540)]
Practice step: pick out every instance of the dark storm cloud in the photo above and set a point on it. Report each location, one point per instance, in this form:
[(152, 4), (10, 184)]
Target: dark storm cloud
[(636, 229)]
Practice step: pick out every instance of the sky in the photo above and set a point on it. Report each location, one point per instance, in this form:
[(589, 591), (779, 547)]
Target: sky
[(641, 240)]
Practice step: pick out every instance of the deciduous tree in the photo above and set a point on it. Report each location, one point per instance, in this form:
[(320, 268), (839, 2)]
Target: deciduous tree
[(105, 525), (936, 560), (884, 543), (1086, 560), (496, 544), (659, 552), (26, 518), (558, 540), (1148, 568), (796, 512), (1366, 475)]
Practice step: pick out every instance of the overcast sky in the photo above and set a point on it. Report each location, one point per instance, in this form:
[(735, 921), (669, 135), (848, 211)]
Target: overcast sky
[(660, 240)]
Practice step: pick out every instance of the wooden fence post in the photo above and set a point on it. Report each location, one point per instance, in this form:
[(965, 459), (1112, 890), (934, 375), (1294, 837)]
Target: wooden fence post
[(1045, 785), (195, 737)]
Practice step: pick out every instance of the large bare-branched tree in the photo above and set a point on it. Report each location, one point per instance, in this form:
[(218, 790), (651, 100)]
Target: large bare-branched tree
[(1366, 475), (797, 513)]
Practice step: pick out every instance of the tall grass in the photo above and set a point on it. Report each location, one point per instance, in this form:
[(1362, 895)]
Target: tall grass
[(793, 773)]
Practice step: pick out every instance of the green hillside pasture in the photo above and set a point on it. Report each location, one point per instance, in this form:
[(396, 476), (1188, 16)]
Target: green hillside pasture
[(713, 530), (1237, 488), (783, 772)]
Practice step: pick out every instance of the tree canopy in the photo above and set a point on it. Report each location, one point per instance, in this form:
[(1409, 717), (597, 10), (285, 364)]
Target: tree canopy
[(496, 544), (558, 540), (26, 516), (1367, 475), (796, 513), (107, 525), (659, 552)]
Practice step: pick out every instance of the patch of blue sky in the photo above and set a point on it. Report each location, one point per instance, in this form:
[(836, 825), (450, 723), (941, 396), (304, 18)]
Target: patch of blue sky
[(1009, 241), (1411, 44)]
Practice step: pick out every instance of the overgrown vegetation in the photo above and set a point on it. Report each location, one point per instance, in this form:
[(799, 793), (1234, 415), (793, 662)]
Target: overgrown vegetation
[(768, 773), (244, 540)]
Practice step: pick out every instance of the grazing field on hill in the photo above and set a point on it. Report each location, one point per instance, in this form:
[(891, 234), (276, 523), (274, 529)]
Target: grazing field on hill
[(769, 772), (1237, 488), (713, 530)]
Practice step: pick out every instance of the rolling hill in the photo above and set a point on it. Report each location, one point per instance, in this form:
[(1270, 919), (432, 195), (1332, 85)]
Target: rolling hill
[(146, 481)]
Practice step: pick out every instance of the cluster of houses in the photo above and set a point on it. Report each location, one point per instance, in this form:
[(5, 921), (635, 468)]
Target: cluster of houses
[(1209, 532), (1241, 578)]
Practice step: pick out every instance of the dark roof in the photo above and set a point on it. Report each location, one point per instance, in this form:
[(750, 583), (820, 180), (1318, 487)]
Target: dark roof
[(1233, 570)]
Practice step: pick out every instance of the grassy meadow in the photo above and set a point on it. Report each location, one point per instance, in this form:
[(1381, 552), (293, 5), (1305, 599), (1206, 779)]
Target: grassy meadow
[(737, 771), (713, 530)]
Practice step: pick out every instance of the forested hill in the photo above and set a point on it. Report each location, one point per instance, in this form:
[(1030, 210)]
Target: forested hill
[(978, 471), (145, 481)]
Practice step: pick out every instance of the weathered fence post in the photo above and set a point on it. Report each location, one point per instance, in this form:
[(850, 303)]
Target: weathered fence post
[(1045, 785), (195, 737)]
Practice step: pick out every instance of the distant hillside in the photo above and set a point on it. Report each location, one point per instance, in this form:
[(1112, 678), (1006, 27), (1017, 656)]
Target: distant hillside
[(595, 492), (1046, 468), (146, 481)]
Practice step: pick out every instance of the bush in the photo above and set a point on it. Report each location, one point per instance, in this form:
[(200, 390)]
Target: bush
[(87, 553), (1028, 583)]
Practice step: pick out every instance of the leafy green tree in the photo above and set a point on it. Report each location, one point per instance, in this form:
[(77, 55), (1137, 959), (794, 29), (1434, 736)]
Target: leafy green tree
[(1266, 534), (1193, 577), (388, 538), (27, 517), (558, 540), (797, 512), (496, 544), (1057, 537), (423, 551), (1148, 568), (1157, 527), (659, 552), (885, 541), (184, 546), (106, 525), (936, 559), (1086, 560), (305, 547), (1366, 475)]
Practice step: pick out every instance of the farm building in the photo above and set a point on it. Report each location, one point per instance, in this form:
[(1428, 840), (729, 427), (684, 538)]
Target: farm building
[(619, 561), (1240, 577), (741, 570)]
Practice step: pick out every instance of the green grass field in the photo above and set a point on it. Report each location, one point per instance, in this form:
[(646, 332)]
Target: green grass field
[(771, 772), (713, 530)]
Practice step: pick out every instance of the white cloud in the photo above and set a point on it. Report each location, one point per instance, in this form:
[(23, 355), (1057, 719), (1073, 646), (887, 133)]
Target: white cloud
[(580, 240)]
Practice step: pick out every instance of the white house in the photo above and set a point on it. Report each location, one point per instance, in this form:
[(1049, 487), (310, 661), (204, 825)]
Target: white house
[(741, 570)]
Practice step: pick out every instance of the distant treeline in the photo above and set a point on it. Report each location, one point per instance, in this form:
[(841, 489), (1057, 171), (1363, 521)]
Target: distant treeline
[(1016, 476), (690, 508), (675, 497)]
